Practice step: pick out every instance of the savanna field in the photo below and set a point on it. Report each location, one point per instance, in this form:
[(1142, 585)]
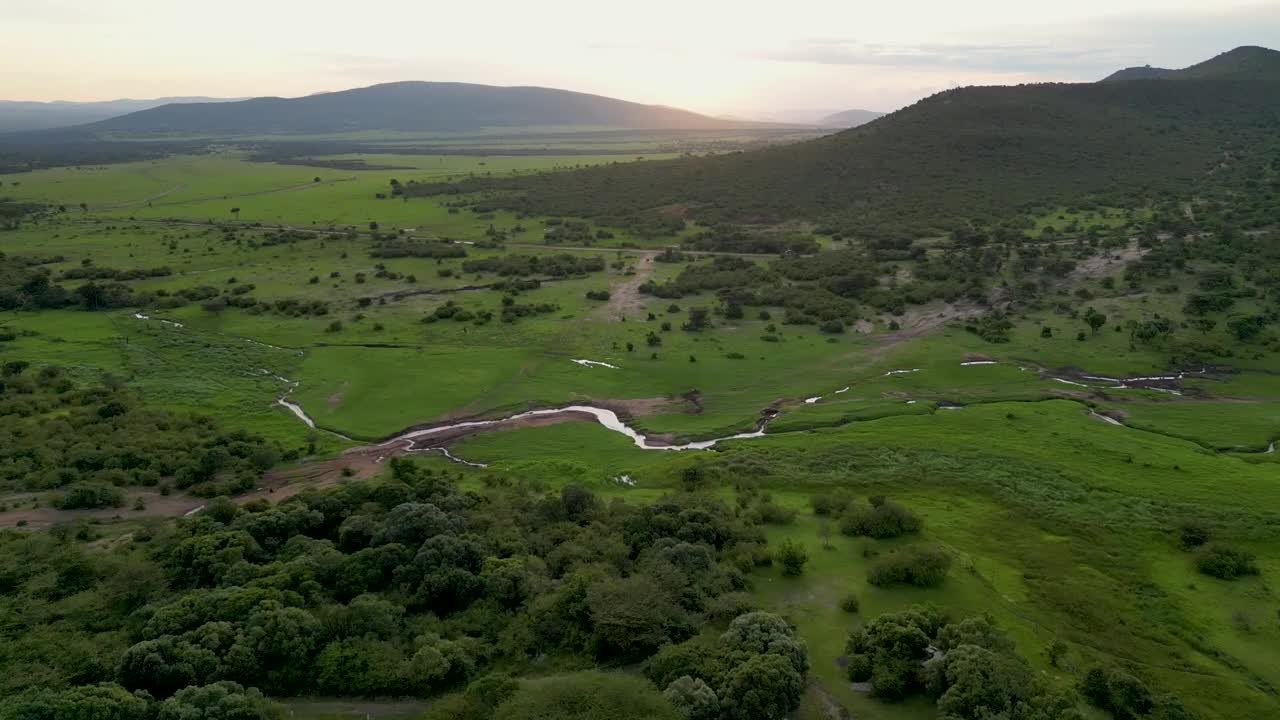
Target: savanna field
[(428, 430)]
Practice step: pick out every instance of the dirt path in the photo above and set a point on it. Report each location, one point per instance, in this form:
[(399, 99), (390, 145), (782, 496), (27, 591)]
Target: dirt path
[(624, 297)]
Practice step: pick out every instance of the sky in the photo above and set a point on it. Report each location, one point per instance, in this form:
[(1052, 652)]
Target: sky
[(743, 58)]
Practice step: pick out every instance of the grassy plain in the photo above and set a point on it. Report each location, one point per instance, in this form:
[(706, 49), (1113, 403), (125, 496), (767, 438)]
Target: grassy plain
[(1059, 522)]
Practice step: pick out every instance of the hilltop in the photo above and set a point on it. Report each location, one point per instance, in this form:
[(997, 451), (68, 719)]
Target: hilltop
[(1243, 61), (967, 155), (409, 106), (16, 115), (849, 118)]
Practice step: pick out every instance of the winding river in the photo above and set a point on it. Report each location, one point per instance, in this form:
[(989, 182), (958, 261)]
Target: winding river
[(410, 439)]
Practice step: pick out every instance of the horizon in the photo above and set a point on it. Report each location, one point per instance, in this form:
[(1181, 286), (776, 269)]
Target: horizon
[(715, 61)]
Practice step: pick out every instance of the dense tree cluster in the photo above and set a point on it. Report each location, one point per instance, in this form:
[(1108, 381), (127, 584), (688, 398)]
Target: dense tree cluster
[(90, 440), (755, 669), (969, 668), (407, 586), (399, 248)]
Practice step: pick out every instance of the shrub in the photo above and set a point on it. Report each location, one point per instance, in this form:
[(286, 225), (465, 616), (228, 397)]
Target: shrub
[(597, 294), (90, 496), (881, 519), (1192, 534), (850, 603), (1225, 562), (1117, 692), (793, 557), (919, 565)]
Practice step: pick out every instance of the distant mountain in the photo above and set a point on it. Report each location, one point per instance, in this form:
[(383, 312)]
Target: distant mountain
[(849, 118), (18, 115), (1246, 61), (973, 155), (409, 106)]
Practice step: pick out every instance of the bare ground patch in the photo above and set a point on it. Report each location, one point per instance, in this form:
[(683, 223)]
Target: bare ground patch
[(624, 297)]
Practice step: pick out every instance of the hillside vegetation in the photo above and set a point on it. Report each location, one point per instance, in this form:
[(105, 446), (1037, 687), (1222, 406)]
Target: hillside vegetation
[(968, 155)]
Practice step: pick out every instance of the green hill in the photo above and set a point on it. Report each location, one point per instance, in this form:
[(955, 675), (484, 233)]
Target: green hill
[(965, 155)]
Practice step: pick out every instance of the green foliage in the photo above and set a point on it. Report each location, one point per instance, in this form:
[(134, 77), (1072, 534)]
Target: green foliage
[(1225, 562), (881, 519), (919, 565), (82, 495), (793, 557), (765, 686), (1054, 142), (970, 669), (103, 701), (693, 699), (219, 701), (407, 587), (88, 439), (1116, 691), (587, 696), (557, 266)]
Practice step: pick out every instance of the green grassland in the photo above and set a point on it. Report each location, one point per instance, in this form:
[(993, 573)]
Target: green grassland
[(1060, 523), (1061, 526), (498, 367)]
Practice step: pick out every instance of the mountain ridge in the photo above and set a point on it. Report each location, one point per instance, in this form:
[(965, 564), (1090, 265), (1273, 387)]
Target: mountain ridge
[(22, 115), (850, 118), (412, 106), (964, 156), (1244, 60)]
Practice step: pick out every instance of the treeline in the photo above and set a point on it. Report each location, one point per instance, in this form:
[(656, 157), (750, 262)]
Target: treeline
[(86, 442), (93, 272), (562, 265), (832, 287), (416, 248), (404, 587)]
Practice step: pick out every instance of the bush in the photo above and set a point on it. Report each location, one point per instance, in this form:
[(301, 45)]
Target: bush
[(597, 294), (1192, 534), (919, 565), (793, 557), (1225, 562), (850, 603), (881, 519), (81, 496), (1117, 692)]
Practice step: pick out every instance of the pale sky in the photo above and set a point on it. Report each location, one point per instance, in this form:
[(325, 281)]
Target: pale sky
[(735, 57)]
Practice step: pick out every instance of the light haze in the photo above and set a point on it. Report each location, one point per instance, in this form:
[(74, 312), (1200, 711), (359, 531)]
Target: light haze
[(760, 60)]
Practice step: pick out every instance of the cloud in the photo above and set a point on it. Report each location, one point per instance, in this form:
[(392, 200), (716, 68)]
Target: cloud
[(1082, 49), (1021, 57)]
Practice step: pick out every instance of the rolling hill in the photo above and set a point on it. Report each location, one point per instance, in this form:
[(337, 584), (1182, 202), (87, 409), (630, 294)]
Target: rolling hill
[(19, 115), (849, 118), (967, 155), (408, 106)]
